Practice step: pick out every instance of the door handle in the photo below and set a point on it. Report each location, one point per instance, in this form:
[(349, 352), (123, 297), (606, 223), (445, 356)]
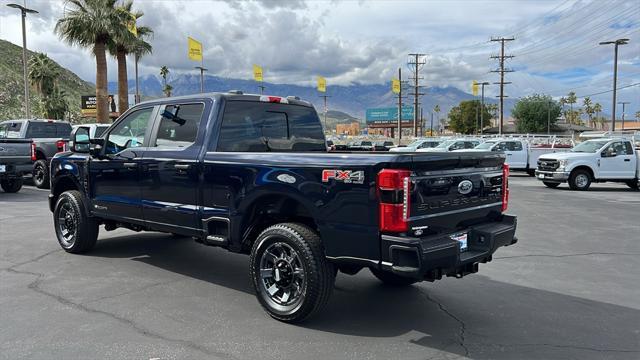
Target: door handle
[(627, 159), (182, 166), (130, 165)]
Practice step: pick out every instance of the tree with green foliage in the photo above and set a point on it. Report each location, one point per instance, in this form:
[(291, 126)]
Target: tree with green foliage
[(465, 117), (637, 115), (124, 42), (536, 113), (436, 109), (55, 104), (598, 121), (43, 73), (571, 99), (588, 109), (166, 88), (90, 24)]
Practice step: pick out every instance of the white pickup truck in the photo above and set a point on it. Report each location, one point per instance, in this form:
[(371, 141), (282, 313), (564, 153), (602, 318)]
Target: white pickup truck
[(598, 160), (521, 154)]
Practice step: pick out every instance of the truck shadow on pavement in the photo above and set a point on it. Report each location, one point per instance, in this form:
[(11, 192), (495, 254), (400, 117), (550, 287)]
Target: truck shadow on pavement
[(475, 317)]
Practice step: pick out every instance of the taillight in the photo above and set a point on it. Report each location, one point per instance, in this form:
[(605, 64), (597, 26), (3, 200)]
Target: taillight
[(393, 193), (33, 151), (505, 187), (274, 99), (60, 144)]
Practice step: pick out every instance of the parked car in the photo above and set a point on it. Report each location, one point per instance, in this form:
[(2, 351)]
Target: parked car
[(451, 145), (363, 145), (597, 160), (383, 145), (15, 159), (252, 174), (418, 144), (95, 130), (49, 138), (521, 156)]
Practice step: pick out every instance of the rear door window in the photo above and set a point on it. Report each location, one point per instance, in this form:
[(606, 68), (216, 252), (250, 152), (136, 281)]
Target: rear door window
[(251, 126), (179, 125)]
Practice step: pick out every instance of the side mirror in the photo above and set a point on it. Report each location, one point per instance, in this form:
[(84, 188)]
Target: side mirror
[(80, 140)]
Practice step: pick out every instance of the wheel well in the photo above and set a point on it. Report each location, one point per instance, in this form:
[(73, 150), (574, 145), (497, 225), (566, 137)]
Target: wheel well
[(270, 210), (62, 185), (586, 168)]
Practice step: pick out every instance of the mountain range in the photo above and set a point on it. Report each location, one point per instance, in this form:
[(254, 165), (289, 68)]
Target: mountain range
[(352, 100)]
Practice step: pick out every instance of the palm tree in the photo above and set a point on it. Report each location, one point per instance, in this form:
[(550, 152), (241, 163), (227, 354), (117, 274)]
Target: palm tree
[(166, 88), (588, 109), (55, 104), (124, 42), (572, 99), (90, 24), (43, 73), (597, 108), (436, 109)]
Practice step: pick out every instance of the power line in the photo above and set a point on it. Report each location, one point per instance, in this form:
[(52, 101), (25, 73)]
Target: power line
[(608, 91)]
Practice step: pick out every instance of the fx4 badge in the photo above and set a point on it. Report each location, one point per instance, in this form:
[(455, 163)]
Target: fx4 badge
[(346, 176)]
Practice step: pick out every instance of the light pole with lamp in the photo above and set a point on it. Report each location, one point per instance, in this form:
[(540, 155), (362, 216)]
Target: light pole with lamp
[(615, 75), (24, 11)]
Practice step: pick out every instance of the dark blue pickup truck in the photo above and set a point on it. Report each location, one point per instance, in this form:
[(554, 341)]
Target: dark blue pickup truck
[(252, 174)]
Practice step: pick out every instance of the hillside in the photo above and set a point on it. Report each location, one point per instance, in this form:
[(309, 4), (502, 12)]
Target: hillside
[(12, 85), (353, 99)]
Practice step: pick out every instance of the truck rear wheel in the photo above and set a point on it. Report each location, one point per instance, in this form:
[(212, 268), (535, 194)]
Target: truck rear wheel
[(292, 278), (12, 185), (392, 279), (76, 232), (634, 184), (551, 185), (41, 174), (580, 180)]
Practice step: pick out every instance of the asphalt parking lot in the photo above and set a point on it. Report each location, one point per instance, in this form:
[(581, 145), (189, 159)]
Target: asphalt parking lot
[(568, 290)]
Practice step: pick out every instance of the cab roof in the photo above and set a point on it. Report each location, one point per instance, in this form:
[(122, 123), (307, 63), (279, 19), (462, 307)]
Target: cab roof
[(232, 95)]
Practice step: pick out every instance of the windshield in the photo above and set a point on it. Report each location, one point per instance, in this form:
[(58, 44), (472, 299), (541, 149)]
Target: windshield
[(445, 144), (486, 145), (590, 146)]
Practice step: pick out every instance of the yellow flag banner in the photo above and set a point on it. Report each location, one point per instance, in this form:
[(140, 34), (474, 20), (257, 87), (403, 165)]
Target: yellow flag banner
[(474, 88), (131, 25), (322, 84), (395, 86), (257, 73), (195, 49)]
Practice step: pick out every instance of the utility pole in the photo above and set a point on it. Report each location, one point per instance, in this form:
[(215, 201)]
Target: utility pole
[(202, 70), (616, 43), (417, 62), (431, 128), (549, 118), (400, 107), (24, 11), (623, 103), (324, 97), (502, 70)]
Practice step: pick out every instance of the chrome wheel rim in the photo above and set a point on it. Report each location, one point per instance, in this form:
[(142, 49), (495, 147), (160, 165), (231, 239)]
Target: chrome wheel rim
[(282, 279), (67, 225), (582, 180), (39, 174)]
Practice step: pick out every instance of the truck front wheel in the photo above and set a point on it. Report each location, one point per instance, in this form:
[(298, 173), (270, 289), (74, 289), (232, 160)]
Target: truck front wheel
[(580, 180), (292, 278), (389, 278), (76, 232), (12, 185)]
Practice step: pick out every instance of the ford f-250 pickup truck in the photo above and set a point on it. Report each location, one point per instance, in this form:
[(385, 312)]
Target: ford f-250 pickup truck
[(15, 160), (252, 174), (596, 160)]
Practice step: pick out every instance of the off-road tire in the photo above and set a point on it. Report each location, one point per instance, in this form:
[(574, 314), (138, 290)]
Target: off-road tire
[(574, 178), (11, 185), (551, 185), (85, 233), (41, 174), (318, 272), (389, 278), (634, 184)]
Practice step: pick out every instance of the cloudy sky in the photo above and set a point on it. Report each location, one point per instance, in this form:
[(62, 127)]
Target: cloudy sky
[(556, 48)]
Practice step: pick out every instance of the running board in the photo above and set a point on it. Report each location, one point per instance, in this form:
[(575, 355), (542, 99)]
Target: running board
[(215, 240)]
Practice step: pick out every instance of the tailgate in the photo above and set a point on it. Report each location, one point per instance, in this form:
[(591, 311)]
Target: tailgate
[(454, 190), (15, 149)]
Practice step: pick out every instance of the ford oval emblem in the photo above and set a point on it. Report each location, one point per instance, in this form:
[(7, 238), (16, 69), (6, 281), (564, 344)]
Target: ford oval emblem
[(465, 187)]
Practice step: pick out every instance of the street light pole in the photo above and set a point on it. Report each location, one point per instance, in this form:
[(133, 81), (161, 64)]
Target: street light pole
[(616, 43), (24, 11), (483, 84)]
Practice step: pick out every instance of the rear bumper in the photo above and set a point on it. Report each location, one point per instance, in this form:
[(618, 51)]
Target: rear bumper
[(552, 176), (15, 170), (430, 258)]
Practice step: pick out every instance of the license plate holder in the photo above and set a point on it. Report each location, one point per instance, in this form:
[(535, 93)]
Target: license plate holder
[(540, 176), (461, 239)]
